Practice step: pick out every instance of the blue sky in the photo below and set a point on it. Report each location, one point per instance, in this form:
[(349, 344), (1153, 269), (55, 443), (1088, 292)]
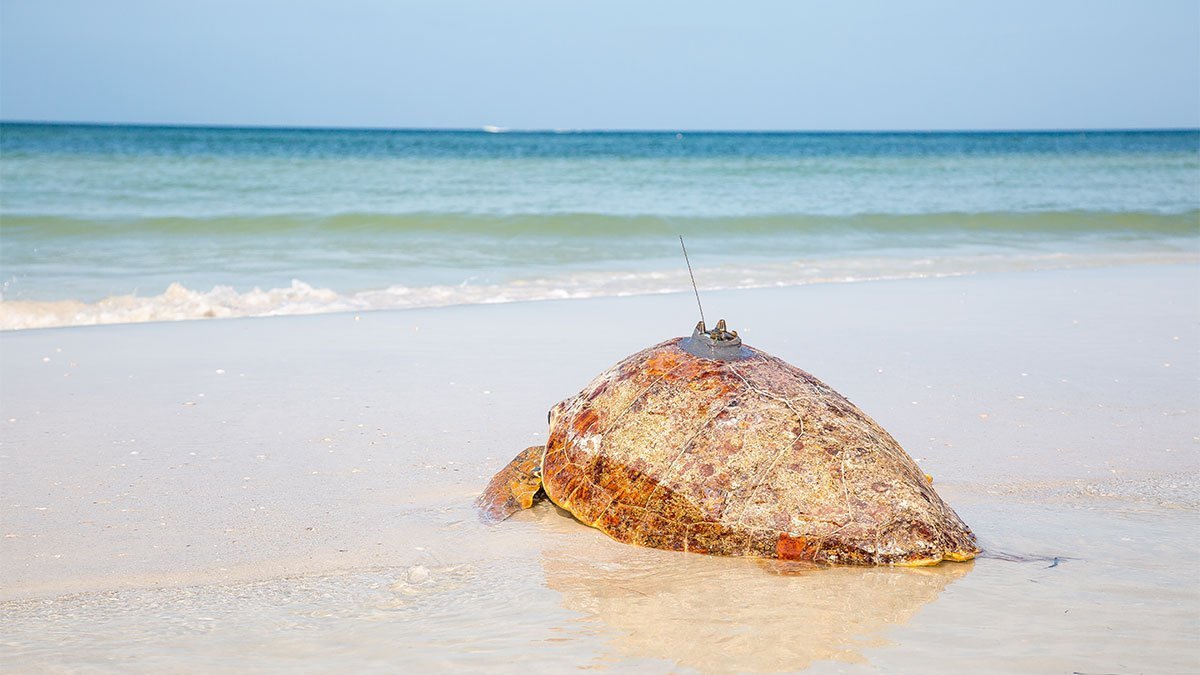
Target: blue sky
[(605, 65)]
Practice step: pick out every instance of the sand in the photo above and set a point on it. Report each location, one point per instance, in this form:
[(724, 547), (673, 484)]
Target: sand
[(294, 492)]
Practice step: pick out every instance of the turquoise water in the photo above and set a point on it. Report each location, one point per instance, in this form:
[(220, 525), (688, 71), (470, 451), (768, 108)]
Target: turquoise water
[(135, 223)]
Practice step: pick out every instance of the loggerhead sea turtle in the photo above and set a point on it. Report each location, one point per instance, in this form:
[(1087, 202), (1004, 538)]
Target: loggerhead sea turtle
[(705, 444)]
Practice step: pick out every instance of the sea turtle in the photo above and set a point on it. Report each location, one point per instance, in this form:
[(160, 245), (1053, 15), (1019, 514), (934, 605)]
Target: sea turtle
[(704, 444)]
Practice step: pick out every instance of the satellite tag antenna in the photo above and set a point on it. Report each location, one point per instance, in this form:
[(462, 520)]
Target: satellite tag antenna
[(693, 276)]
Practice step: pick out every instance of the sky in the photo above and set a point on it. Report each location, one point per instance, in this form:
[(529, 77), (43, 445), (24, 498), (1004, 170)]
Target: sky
[(611, 64)]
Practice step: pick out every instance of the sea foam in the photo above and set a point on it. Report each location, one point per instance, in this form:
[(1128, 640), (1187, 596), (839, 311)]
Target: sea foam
[(179, 303)]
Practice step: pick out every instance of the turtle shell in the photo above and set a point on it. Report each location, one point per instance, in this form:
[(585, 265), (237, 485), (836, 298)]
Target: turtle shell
[(750, 457)]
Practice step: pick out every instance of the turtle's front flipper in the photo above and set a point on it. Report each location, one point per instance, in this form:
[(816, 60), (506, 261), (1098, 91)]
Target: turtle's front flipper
[(513, 488)]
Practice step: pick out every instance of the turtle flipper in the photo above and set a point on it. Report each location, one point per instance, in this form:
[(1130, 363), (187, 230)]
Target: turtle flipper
[(514, 487)]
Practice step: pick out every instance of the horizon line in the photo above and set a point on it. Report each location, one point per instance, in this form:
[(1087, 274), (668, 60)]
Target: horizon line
[(498, 130)]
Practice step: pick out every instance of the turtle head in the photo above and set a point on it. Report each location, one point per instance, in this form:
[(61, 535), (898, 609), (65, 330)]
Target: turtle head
[(719, 344)]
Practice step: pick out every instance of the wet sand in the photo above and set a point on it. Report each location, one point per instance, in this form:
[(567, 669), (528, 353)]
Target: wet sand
[(294, 492)]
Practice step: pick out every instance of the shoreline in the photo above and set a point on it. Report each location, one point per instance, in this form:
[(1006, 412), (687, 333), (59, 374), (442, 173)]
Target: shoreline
[(179, 303), (142, 365), (306, 482)]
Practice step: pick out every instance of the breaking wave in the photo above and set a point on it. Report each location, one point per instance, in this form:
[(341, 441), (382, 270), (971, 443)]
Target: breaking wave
[(178, 303)]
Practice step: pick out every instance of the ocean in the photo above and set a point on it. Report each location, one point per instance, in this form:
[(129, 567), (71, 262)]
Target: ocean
[(111, 224)]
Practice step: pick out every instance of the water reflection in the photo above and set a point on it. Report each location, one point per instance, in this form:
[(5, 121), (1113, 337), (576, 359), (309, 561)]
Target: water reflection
[(724, 614)]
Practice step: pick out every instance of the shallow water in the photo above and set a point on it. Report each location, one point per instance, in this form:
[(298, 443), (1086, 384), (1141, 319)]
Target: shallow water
[(295, 492), (112, 224), (1107, 588)]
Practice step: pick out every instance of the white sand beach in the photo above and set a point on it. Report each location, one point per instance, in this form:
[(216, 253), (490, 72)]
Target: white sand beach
[(295, 492)]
